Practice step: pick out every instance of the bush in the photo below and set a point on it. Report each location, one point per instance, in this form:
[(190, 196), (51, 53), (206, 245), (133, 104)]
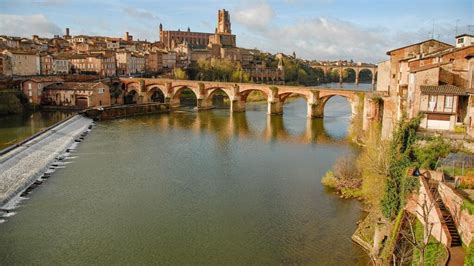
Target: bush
[(401, 154), (329, 180), (427, 155), (347, 173)]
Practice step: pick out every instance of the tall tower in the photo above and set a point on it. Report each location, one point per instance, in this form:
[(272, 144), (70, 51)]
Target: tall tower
[(223, 22)]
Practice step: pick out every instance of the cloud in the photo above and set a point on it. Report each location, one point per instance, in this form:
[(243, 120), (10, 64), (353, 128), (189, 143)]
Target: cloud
[(323, 39), (139, 13), (333, 39), (28, 25), (255, 15)]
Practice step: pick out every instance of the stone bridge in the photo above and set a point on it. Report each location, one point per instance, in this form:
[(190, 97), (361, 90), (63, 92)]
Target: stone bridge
[(142, 91), (341, 67)]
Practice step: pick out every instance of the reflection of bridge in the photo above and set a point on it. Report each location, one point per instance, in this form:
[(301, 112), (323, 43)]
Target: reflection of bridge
[(143, 91), (341, 67), (237, 125)]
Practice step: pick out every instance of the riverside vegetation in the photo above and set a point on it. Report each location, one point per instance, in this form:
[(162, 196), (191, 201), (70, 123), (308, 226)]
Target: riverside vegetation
[(384, 164)]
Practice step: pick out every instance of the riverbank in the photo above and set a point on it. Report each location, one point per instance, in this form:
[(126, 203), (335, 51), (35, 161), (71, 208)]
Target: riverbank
[(10, 102), (23, 164)]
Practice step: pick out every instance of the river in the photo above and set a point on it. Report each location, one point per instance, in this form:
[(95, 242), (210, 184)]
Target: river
[(15, 128), (194, 188)]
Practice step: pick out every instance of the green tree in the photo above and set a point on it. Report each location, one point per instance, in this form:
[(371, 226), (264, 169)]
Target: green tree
[(179, 73)]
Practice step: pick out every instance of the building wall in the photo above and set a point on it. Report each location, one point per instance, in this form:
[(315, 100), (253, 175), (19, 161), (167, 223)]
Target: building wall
[(25, 64), (61, 66)]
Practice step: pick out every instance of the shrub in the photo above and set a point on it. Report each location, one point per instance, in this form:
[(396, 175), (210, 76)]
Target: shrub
[(428, 154), (401, 153), (347, 172), (329, 180)]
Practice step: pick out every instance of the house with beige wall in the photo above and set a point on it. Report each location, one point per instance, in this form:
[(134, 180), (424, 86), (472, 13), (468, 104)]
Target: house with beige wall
[(23, 62)]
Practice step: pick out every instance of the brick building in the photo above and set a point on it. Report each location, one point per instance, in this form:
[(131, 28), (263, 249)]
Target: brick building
[(76, 95)]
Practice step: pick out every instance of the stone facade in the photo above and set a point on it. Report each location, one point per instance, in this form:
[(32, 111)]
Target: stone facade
[(401, 80), (23, 63), (76, 95)]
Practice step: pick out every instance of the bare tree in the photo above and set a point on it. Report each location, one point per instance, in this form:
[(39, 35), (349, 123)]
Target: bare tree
[(423, 211)]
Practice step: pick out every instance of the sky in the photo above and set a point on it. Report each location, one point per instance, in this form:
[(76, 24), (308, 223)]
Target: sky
[(359, 30)]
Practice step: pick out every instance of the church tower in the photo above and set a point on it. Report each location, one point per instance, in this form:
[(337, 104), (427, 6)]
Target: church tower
[(223, 24)]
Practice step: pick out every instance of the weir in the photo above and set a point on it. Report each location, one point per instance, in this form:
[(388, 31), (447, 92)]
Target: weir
[(23, 164)]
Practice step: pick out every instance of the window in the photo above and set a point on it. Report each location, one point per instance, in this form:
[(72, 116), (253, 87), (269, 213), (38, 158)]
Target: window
[(448, 103), (432, 103), (101, 90), (460, 40)]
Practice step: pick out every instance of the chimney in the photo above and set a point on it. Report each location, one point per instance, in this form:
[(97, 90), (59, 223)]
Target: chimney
[(67, 31)]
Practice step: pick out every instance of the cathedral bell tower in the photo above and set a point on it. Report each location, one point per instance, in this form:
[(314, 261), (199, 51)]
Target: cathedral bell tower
[(223, 25)]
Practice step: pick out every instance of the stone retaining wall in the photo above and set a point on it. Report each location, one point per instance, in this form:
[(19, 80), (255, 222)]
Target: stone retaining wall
[(463, 220), (440, 231), (112, 112)]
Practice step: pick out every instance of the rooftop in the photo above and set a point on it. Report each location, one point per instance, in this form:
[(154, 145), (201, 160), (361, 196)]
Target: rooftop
[(443, 90)]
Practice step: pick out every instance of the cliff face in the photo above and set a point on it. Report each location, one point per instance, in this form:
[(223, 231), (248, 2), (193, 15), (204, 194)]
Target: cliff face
[(10, 102)]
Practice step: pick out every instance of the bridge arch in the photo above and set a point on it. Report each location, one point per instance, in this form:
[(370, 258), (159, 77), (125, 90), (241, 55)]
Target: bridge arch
[(352, 100), (190, 97), (156, 95), (244, 94), (349, 75), (284, 96), (366, 75), (131, 96), (214, 91)]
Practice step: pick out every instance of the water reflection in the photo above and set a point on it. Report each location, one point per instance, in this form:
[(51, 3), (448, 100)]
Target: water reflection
[(15, 128), (255, 124)]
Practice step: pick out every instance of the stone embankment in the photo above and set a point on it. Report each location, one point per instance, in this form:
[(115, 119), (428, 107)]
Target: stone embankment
[(26, 162), (119, 111)]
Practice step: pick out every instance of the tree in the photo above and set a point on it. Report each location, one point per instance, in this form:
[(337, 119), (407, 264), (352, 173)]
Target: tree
[(115, 92), (411, 235), (179, 73)]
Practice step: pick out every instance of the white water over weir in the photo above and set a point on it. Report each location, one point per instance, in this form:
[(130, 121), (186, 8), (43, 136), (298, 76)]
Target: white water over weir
[(21, 166)]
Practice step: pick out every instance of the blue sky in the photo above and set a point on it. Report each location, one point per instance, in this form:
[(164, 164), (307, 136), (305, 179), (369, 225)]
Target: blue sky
[(361, 30)]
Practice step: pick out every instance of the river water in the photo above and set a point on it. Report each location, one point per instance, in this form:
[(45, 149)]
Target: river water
[(194, 188), (15, 128)]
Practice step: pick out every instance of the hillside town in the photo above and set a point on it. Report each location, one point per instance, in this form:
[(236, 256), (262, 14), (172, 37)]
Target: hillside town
[(411, 122)]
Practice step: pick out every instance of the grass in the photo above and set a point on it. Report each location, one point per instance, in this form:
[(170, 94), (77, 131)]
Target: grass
[(469, 259), (366, 228), (435, 252), (467, 205), (458, 171), (459, 129), (352, 193)]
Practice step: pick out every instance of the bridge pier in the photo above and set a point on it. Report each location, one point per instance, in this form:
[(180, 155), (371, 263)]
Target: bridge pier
[(237, 106), (315, 110), (275, 108), (203, 104), (274, 104)]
